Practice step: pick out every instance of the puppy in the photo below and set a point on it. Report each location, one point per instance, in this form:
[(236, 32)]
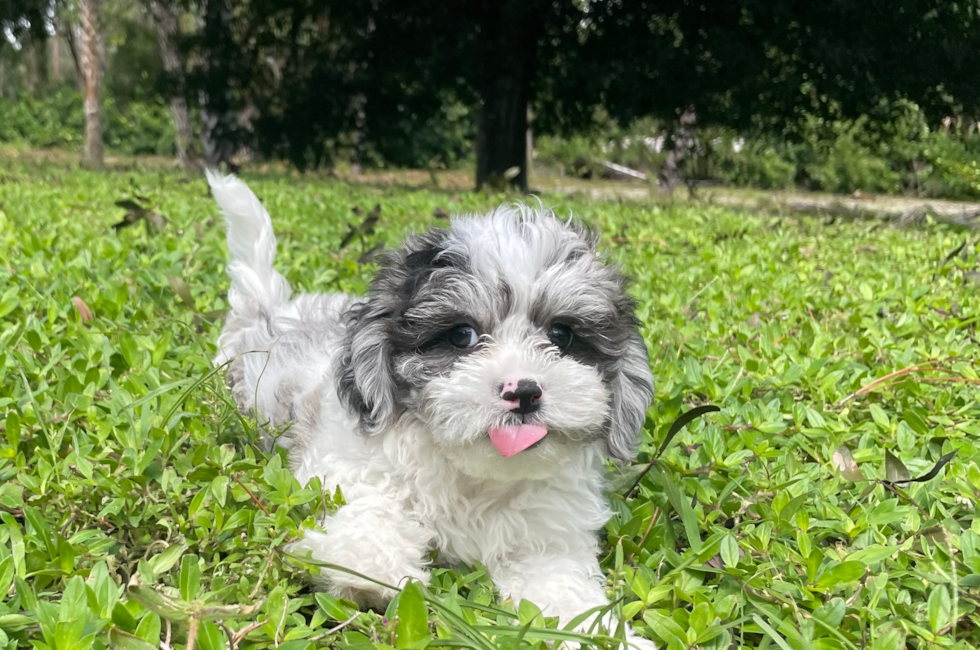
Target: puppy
[(467, 405)]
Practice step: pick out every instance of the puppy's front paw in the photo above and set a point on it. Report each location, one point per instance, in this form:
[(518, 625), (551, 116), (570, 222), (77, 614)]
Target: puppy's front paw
[(382, 568)]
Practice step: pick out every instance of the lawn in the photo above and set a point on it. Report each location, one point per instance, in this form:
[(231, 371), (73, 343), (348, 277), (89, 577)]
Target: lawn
[(136, 510)]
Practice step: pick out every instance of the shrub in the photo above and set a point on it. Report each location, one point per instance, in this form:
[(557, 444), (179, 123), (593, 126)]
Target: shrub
[(639, 146), (57, 120), (891, 149), (842, 156), (756, 163), (142, 128), (954, 169), (573, 156)]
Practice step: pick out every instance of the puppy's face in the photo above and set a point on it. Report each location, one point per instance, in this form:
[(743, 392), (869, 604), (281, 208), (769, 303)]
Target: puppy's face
[(507, 339)]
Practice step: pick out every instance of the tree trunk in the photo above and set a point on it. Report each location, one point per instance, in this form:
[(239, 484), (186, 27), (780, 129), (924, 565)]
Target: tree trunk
[(168, 29), (42, 59), (37, 61), (56, 59), (360, 125), (529, 145), (71, 38), (217, 115), (30, 69), (509, 31), (91, 60), (680, 141)]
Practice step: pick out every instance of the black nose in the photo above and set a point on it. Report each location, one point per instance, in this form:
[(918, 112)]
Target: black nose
[(528, 395)]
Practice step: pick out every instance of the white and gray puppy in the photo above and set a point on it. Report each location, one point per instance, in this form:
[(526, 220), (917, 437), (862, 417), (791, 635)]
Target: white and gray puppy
[(467, 404)]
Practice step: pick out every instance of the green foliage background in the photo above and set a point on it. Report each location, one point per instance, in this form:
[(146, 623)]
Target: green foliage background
[(56, 120), (135, 510), (892, 150)]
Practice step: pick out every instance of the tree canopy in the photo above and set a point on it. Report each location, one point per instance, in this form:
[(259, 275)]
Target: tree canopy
[(393, 71), (408, 81)]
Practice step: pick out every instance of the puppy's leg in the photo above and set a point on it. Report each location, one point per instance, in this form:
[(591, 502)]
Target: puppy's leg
[(564, 586), (374, 536)]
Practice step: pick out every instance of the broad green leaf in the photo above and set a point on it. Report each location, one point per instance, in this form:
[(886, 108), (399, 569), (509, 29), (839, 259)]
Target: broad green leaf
[(665, 627), (701, 618), (630, 610), (683, 508), (841, 573), (413, 625), (120, 640), (939, 608), (832, 612), (895, 469), (889, 640), (74, 601), (6, 574), (210, 637), (149, 628), (528, 613), (335, 608), (165, 560), (190, 577), (880, 417), (873, 554), (276, 608), (123, 618), (159, 604), (729, 551)]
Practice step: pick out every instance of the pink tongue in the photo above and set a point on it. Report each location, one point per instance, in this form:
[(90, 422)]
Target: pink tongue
[(516, 438)]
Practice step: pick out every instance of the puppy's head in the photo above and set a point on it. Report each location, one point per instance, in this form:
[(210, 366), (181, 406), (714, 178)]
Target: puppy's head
[(507, 338)]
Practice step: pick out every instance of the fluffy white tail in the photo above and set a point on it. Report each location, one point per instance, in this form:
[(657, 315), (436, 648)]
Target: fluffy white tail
[(254, 283)]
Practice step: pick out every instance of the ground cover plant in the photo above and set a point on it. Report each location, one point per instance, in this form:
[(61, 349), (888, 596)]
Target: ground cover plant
[(136, 512)]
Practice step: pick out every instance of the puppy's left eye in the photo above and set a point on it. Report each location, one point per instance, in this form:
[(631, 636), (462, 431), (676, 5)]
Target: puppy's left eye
[(462, 336), (560, 335)]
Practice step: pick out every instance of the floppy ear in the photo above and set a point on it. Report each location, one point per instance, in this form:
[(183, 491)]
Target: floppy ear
[(364, 375), (632, 392)]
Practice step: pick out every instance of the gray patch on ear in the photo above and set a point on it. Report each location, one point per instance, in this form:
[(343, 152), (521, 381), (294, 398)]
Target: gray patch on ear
[(632, 393), (363, 375)]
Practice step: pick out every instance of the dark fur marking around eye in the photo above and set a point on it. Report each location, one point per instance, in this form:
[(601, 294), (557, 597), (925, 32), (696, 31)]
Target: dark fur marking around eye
[(414, 325), (583, 351), (377, 332), (599, 339), (437, 335)]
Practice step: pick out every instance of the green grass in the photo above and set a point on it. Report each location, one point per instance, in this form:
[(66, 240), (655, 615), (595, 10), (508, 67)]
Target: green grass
[(135, 508)]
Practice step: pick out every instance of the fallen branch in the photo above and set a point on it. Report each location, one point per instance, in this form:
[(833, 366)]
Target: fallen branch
[(619, 169), (919, 367)]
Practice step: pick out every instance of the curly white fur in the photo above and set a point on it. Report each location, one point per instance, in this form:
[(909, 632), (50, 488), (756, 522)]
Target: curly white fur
[(430, 479)]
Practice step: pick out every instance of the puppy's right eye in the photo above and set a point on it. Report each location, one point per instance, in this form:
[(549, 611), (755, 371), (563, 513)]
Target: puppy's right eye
[(462, 336)]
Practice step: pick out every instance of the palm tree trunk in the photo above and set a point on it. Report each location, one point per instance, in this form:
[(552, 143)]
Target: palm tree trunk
[(91, 60)]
